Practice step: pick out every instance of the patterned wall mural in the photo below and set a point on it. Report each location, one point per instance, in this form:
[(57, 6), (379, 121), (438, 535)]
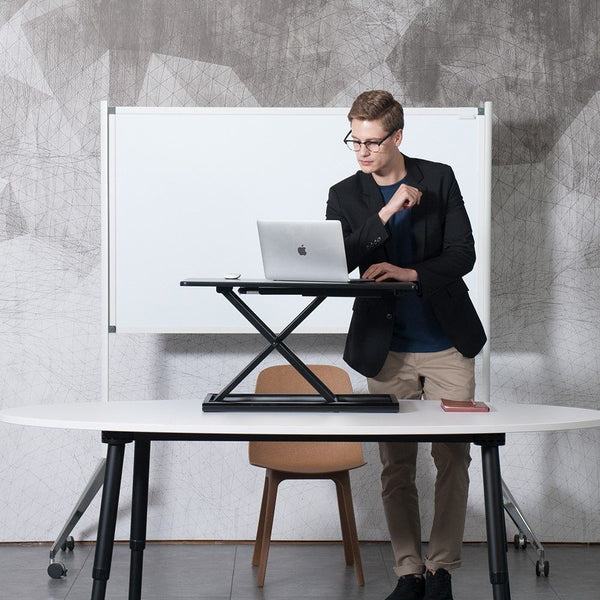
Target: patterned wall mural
[(536, 61)]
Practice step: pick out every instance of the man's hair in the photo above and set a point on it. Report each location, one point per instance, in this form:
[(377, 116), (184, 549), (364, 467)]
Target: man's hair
[(378, 105)]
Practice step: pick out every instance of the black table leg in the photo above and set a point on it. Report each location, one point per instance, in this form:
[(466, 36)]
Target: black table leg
[(108, 517), (139, 513), (494, 520)]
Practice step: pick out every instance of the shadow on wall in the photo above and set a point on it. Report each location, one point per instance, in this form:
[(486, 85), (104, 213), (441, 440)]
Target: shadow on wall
[(536, 63)]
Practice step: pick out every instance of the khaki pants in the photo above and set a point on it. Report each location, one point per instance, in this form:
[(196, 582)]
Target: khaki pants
[(430, 376)]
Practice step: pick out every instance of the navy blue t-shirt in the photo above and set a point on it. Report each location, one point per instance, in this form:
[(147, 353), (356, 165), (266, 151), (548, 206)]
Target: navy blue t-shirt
[(416, 328)]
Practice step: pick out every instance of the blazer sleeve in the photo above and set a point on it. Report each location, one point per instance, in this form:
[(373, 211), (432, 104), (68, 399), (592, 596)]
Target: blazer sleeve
[(364, 233)]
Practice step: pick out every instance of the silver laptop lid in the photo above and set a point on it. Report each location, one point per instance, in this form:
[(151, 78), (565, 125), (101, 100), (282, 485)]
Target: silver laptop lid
[(302, 250)]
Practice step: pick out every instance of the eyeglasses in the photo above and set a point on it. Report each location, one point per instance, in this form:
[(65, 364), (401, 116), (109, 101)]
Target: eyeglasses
[(371, 146)]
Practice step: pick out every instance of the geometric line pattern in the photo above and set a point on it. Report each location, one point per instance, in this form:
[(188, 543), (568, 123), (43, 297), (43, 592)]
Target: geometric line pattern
[(537, 62)]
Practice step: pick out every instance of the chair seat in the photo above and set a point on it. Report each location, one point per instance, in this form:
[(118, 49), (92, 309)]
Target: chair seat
[(302, 457)]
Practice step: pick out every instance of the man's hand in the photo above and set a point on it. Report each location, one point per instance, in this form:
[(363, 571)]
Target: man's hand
[(388, 272), (405, 197)]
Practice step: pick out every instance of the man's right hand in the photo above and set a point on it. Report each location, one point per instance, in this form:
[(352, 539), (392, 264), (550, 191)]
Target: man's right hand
[(405, 197)]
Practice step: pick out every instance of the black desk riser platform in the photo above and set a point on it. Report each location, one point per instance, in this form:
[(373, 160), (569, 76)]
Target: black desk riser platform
[(325, 400)]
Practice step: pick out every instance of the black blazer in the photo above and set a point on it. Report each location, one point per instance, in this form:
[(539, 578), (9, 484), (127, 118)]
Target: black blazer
[(444, 252)]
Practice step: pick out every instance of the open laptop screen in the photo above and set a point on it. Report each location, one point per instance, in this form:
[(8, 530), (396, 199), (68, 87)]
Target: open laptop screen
[(302, 250)]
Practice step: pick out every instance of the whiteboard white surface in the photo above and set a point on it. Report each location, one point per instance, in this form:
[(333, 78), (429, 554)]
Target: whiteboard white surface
[(186, 186)]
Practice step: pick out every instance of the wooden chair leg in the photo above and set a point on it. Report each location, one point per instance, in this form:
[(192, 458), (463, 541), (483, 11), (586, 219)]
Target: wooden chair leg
[(344, 479), (274, 481), (261, 525), (348, 554)]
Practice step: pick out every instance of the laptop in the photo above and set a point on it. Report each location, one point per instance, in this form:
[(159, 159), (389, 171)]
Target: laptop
[(303, 250)]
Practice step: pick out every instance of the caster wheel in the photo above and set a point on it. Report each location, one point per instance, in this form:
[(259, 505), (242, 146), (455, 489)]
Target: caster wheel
[(57, 570), (520, 541), (542, 569), (68, 544)]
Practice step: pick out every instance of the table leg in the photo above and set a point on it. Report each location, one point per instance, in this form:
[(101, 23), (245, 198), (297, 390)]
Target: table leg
[(108, 517), (494, 521), (139, 514)]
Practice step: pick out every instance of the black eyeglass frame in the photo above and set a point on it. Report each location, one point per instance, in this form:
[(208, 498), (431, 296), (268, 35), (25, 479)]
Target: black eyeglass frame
[(350, 141)]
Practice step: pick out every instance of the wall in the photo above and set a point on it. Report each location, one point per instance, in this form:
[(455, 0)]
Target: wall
[(537, 61)]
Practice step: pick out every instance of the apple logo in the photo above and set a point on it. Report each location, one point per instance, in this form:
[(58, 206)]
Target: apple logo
[(302, 250)]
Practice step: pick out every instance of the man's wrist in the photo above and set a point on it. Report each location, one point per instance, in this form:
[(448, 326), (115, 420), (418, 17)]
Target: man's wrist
[(385, 214), (409, 275)]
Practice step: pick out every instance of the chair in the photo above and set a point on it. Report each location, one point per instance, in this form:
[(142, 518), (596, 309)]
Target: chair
[(305, 460)]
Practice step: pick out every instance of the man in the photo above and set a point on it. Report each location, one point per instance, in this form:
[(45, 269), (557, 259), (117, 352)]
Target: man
[(404, 220)]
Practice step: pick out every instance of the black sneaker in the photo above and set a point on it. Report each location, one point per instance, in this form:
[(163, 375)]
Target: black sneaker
[(409, 587), (438, 586)]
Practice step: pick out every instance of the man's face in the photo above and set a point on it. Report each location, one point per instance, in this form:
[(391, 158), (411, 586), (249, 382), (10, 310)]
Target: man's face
[(373, 131)]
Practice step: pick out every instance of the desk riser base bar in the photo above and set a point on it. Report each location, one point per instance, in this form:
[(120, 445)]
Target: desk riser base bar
[(297, 402)]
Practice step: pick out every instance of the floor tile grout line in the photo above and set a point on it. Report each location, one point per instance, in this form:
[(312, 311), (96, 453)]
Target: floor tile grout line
[(80, 571), (235, 557)]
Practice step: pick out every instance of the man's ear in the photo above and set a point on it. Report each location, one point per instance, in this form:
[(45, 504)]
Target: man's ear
[(398, 137)]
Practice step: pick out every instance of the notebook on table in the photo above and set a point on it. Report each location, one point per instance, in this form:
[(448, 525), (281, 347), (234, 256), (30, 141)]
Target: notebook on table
[(303, 250), (464, 406)]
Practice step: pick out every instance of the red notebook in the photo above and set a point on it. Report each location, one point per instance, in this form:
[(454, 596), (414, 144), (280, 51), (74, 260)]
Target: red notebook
[(464, 406)]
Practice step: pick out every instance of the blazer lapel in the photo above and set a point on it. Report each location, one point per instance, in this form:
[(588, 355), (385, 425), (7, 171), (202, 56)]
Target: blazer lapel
[(370, 190)]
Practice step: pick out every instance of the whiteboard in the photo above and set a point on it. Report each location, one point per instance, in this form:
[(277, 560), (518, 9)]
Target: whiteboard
[(184, 188)]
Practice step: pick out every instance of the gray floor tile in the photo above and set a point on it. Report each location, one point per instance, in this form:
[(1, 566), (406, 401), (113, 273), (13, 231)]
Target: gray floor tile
[(171, 571), (310, 571), (574, 573), (24, 569), (295, 572)]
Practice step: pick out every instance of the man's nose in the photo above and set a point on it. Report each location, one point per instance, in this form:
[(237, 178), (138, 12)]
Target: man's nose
[(364, 151)]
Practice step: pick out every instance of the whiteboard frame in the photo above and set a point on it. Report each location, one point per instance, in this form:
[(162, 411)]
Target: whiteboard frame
[(482, 227)]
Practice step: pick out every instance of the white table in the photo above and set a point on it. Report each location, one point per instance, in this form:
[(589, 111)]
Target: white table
[(142, 422)]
